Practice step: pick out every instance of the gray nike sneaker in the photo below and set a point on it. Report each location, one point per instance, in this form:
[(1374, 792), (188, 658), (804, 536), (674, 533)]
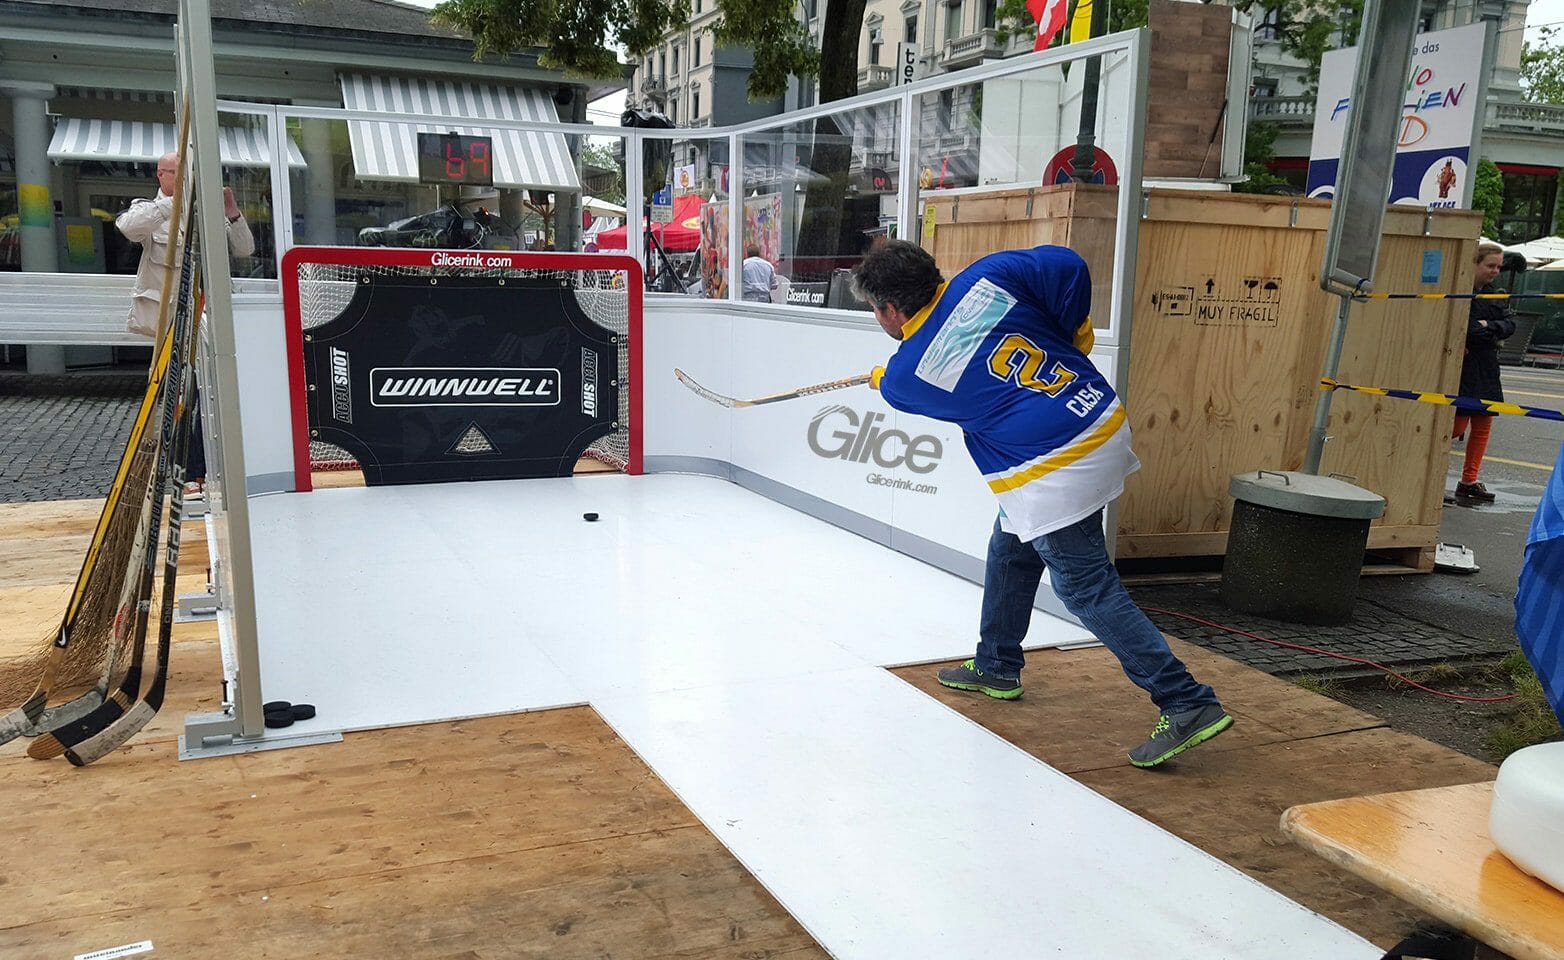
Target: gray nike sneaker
[(969, 677), (1176, 733)]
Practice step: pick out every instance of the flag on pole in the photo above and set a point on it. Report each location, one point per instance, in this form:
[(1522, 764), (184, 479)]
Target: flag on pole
[(1539, 601), (1049, 15), (1081, 23)]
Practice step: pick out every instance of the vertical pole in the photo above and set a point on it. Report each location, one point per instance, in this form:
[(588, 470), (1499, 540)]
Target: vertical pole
[(40, 251), (199, 85), (1480, 115), (1086, 139), (1338, 339), (320, 204), (909, 199), (736, 219), (1127, 246)]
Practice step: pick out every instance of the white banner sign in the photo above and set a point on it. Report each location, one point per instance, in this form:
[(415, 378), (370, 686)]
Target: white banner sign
[(684, 178), (906, 63), (1435, 136)]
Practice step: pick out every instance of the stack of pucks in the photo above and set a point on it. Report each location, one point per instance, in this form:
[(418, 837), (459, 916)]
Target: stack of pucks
[(281, 713)]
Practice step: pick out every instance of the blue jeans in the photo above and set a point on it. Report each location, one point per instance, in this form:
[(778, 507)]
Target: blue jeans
[(1083, 578)]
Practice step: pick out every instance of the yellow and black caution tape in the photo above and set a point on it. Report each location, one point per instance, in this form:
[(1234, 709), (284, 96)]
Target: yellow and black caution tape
[(1458, 296), (1468, 404)]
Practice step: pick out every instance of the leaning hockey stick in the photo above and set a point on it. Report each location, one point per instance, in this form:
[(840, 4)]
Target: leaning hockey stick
[(731, 403), (176, 414), (118, 731), (137, 599), (28, 718)]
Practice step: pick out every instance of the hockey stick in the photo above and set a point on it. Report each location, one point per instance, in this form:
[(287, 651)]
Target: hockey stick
[(731, 403), (75, 709), (121, 727), (55, 739), (170, 462), (27, 718)]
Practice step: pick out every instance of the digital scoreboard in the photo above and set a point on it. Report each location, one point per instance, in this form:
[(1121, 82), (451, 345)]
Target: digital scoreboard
[(455, 158)]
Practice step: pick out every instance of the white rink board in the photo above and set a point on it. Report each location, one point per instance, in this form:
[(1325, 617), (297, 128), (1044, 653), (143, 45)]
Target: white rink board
[(745, 356)]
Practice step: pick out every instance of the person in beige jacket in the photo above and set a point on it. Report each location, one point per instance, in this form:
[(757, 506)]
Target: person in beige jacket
[(147, 222)]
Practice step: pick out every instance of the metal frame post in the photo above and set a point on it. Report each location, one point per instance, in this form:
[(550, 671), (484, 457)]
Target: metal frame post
[(199, 84)]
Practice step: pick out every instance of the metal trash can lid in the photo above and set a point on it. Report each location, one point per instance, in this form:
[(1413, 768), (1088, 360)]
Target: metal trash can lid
[(1307, 494)]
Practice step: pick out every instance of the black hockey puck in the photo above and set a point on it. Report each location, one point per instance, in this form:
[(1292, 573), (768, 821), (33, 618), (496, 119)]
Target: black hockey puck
[(272, 706), (303, 711), (279, 718), (589, 516)]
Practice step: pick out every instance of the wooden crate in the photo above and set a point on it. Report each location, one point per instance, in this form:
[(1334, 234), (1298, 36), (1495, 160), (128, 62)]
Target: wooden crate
[(975, 222), (1228, 339)]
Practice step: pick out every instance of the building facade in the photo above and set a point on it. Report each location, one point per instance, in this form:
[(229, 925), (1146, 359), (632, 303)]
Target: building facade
[(1525, 140)]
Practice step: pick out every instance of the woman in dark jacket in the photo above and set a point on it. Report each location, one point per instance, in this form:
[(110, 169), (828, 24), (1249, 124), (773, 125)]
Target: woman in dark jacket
[(1490, 322)]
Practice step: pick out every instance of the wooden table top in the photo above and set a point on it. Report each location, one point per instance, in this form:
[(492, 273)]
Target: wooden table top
[(1432, 849)]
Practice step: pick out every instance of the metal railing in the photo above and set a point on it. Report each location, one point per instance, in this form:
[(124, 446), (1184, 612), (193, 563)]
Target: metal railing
[(1540, 118), (1543, 118), (1282, 109)]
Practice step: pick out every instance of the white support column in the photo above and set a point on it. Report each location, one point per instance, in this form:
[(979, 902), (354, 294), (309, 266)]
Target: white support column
[(40, 251), (320, 180)]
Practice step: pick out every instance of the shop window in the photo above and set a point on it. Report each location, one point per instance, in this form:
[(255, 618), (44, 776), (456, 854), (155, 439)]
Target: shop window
[(1527, 212)]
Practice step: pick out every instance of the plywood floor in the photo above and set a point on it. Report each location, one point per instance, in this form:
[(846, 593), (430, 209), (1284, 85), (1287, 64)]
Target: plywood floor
[(537, 834), (542, 834)]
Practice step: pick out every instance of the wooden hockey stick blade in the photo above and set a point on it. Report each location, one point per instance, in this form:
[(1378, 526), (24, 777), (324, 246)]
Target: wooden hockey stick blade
[(731, 403)]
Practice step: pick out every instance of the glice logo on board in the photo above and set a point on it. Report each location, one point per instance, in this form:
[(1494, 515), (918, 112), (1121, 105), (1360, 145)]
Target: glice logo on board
[(341, 386), (862, 440), (464, 387), (588, 382)]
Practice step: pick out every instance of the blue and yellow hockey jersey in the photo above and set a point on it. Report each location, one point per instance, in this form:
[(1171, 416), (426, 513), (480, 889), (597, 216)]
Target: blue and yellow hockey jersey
[(1001, 352)]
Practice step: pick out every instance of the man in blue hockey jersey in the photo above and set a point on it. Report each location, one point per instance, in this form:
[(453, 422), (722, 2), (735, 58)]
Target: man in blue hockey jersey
[(1001, 351)]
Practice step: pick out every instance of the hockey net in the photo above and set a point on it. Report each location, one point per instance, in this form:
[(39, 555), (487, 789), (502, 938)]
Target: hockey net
[(607, 288)]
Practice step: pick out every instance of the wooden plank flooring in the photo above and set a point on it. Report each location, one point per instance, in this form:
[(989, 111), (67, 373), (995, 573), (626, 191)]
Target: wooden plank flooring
[(532, 835), (1287, 746)]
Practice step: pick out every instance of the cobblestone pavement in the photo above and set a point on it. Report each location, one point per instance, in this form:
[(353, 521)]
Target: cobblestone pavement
[(1376, 632), (61, 437)]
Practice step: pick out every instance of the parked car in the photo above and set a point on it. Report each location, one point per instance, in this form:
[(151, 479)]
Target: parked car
[(452, 226)]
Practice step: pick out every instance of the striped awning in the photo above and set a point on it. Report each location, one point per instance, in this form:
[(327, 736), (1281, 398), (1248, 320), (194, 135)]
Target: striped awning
[(139, 142), (388, 150)]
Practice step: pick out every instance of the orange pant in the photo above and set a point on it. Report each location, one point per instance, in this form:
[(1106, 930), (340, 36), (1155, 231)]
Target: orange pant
[(1476, 443)]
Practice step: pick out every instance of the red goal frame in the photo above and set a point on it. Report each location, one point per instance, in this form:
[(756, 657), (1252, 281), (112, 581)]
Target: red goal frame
[(293, 320)]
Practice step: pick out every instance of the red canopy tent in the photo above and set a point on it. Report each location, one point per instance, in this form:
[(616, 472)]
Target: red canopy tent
[(681, 236)]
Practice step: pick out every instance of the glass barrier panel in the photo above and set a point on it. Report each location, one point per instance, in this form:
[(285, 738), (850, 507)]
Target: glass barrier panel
[(685, 246), (818, 195), (387, 183), (1002, 164), (104, 165), (244, 140)]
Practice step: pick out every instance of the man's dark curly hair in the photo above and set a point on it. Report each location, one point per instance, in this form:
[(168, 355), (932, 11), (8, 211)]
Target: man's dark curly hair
[(898, 273)]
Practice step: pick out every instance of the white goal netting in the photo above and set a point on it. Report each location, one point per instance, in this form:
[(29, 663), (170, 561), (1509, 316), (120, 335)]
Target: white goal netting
[(326, 289)]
